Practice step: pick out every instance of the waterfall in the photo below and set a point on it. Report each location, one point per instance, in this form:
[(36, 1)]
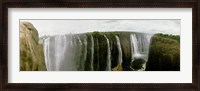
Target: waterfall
[(71, 41), (108, 55), (143, 42), (140, 45), (134, 47), (79, 39), (78, 52), (57, 51), (85, 50), (46, 51), (140, 48), (58, 54), (119, 50), (60, 48), (97, 54), (92, 53)]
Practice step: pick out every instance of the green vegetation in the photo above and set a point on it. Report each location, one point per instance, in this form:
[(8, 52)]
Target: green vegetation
[(175, 37), (164, 54)]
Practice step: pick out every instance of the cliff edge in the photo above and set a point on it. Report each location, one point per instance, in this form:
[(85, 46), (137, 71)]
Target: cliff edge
[(31, 52)]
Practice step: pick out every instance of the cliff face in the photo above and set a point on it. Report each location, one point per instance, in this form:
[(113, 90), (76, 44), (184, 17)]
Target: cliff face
[(31, 52), (96, 51), (164, 53)]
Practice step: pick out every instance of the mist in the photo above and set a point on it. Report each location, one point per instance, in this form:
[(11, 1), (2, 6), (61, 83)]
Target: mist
[(61, 27)]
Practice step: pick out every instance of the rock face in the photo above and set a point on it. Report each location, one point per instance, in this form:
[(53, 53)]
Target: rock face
[(31, 52), (164, 53)]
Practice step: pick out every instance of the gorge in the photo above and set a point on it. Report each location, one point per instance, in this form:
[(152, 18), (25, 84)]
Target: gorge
[(101, 51)]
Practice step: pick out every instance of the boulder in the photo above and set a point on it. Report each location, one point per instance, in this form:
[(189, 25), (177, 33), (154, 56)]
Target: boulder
[(138, 64)]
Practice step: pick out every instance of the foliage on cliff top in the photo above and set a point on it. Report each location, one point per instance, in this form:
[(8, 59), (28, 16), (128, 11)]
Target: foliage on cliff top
[(168, 36)]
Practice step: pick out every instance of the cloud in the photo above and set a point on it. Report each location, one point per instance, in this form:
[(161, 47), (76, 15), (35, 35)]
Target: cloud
[(60, 27)]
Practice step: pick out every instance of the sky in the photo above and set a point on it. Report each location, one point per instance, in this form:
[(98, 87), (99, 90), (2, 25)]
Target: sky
[(61, 27)]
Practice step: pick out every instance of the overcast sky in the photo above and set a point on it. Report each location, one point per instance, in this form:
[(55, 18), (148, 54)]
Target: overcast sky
[(60, 27)]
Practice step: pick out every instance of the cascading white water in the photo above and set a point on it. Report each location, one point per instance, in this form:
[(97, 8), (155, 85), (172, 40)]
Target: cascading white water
[(92, 53), (108, 67), (79, 39), (119, 50), (71, 41), (78, 53), (73, 52), (85, 50), (46, 51), (134, 46), (59, 53), (140, 47), (143, 42), (60, 48)]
